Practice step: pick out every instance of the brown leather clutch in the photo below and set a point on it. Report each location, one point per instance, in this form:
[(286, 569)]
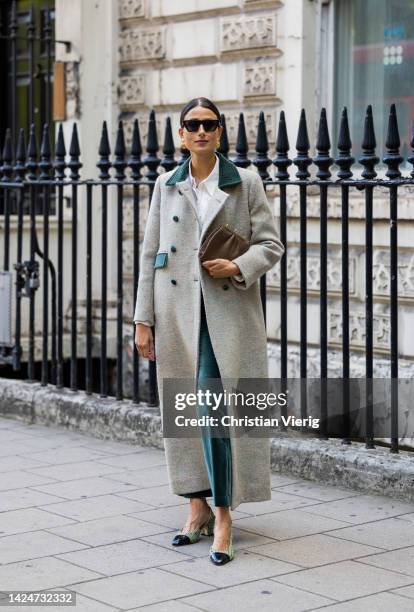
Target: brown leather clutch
[(222, 243)]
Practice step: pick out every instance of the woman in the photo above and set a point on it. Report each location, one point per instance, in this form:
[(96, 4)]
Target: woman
[(208, 317)]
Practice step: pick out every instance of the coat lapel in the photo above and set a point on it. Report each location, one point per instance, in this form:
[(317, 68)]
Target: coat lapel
[(185, 188), (228, 175)]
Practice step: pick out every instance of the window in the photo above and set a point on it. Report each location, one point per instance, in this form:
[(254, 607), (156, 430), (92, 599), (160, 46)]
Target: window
[(374, 64)]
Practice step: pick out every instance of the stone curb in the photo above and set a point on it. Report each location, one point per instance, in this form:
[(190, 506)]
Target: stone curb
[(327, 462)]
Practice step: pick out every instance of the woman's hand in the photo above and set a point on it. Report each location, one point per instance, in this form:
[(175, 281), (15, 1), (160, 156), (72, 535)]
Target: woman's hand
[(144, 341), (221, 268)]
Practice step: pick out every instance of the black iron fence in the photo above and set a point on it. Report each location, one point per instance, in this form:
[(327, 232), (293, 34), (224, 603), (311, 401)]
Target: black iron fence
[(34, 190)]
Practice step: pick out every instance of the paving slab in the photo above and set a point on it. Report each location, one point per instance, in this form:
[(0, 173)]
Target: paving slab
[(381, 602), (29, 519), (361, 509), (157, 497), (20, 479), (25, 546), (10, 463), (250, 566), (287, 524), (17, 499), (147, 477), (135, 461), (389, 533), (174, 605), (70, 454), (264, 595), (401, 560), (317, 491), (338, 580), (108, 530), (405, 592), (77, 470), (140, 588), (122, 557), (85, 487), (95, 507), (279, 501), (45, 573), (312, 550)]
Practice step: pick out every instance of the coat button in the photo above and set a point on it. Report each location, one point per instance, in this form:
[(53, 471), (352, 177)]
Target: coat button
[(225, 287), (173, 248), (175, 218), (174, 282)]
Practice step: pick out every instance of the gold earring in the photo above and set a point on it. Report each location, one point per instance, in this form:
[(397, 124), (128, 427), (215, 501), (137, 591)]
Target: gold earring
[(218, 144), (183, 145)]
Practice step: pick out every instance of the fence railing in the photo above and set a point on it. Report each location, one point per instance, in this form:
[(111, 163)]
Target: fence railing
[(34, 192)]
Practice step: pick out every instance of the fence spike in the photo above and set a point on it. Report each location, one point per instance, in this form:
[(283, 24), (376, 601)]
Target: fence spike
[(168, 162), (134, 161), (368, 158), (323, 144), (119, 162), (45, 155), (7, 167), (151, 160), (392, 158), (302, 160), (242, 146), (282, 161), (74, 152), (104, 151), (262, 160), (60, 154), (224, 140), (411, 158), (31, 163), (344, 159), (20, 166)]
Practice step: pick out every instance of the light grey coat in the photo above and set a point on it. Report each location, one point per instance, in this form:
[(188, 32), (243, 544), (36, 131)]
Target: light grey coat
[(233, 309)]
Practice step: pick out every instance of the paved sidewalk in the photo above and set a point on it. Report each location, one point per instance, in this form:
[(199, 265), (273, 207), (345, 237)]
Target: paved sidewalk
[(97, 517)]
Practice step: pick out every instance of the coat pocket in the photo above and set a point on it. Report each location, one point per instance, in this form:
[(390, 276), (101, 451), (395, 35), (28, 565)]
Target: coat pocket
[(160, 260)]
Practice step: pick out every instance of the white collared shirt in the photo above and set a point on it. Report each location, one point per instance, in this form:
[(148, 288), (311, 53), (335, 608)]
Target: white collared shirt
[(203, 193)]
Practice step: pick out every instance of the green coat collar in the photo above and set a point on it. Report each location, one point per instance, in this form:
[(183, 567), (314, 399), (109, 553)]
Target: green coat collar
[(228, 173)]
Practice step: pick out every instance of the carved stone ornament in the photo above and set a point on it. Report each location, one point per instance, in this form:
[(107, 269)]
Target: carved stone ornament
[(128, 9), (334, 273), (142, 44), (132, 90), (247, 32), (382, 274), (381, 329), (260, 79)]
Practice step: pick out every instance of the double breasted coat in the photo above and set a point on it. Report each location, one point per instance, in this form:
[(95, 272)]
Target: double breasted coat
[(169, 294)]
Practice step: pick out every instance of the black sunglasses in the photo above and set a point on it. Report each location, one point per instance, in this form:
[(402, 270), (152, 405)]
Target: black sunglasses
[(193, 125)]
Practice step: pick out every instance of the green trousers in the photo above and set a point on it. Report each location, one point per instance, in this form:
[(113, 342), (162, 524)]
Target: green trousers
[(217, 450)]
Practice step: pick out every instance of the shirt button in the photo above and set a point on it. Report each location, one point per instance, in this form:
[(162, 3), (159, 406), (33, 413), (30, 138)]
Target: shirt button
[(225, 287), (173, 248), (173, 281), (175, 218)]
